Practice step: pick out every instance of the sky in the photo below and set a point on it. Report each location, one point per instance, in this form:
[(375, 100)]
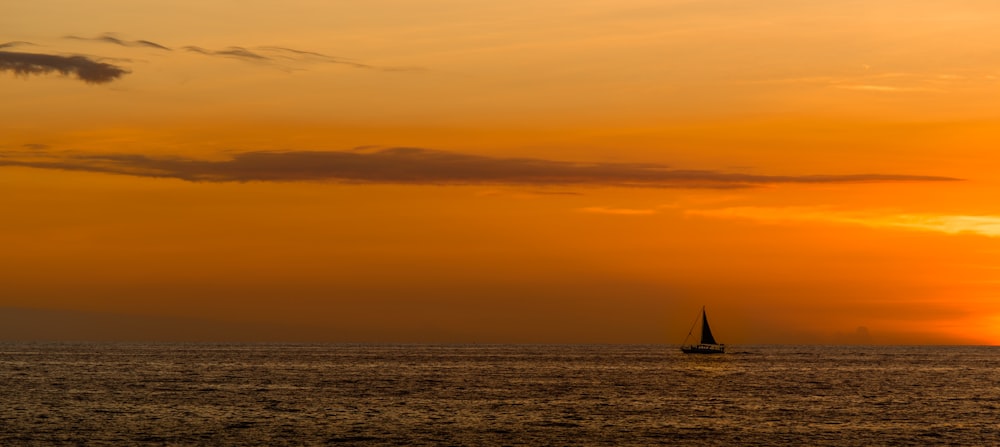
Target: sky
[(448, 171)]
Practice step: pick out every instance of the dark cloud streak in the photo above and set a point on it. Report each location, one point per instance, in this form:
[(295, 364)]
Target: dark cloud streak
[(111, 38), (234, 52), (84, 68), (321, 57), (269, 55), (275, 55), (428, 167)]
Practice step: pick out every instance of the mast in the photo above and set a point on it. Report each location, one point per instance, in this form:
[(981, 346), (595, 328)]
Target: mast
[(708, 345), (706, 332)]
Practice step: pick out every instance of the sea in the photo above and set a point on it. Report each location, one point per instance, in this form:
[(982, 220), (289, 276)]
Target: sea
[(97, 394)]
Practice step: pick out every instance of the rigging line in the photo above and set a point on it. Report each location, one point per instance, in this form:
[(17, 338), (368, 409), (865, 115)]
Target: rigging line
[(695, 323)]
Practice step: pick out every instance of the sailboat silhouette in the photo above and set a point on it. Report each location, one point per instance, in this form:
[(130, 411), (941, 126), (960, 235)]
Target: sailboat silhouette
[(707, 344)]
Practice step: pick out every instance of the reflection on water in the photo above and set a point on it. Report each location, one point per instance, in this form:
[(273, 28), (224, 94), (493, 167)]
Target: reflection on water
[(269, 394)]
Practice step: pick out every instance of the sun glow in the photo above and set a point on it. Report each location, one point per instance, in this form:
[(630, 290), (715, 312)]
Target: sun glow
[(948, 224)]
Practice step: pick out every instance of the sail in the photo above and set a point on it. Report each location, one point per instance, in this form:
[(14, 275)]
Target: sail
[(708, 345), (706, 332)]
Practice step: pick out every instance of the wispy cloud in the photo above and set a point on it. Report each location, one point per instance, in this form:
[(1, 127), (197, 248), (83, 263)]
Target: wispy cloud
[(233, 52), (424, 166), (84, 68), (256, 54), (278, 55), (941, 223), (90, 70), (618, 211), (15, 43), (883, 82), (884, 88), (112, 38)]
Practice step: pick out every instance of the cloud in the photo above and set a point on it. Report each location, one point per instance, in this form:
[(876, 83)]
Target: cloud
[(522, 193), (258, 54), (14, 44), (884, 88), (294, 54), (886, 83), (85, 69), (234, 52), (618, 211), (111, 38), (276, 55), (939, 223), (423, 166)]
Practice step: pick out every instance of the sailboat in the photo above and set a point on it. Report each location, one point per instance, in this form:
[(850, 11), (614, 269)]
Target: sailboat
[(707, 345)]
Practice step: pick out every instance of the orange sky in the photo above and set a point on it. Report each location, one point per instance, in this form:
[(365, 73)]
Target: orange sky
[(578, 172)]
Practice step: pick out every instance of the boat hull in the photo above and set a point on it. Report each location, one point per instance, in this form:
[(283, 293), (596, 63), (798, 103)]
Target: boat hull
[(704, 349)]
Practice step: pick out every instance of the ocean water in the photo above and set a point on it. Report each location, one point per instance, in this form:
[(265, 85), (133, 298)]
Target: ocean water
[(484, 395)]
